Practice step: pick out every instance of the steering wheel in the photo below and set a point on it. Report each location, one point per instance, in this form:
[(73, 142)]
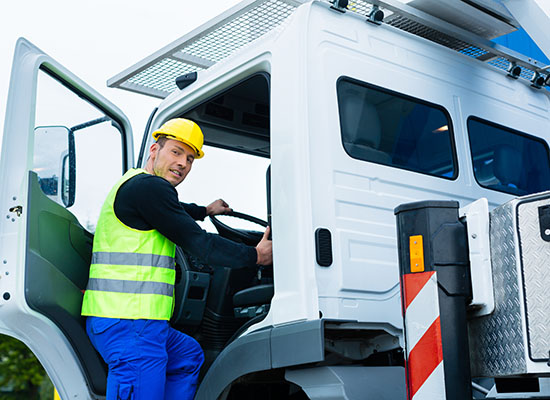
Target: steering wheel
[(245, 236)]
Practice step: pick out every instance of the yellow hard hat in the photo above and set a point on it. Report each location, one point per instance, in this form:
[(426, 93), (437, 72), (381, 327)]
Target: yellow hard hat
[(183, 130)]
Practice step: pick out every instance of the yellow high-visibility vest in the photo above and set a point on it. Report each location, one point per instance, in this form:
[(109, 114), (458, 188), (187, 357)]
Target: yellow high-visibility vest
[(133, 273)]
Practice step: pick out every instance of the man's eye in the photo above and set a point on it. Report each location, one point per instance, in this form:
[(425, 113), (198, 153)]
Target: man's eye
[(175, 151)]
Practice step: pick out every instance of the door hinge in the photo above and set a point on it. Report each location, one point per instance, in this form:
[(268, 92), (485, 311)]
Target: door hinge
[(17, 209)]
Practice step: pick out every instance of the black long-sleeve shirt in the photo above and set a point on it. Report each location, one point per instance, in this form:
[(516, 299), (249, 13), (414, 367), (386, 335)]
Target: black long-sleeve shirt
[(147, 202)]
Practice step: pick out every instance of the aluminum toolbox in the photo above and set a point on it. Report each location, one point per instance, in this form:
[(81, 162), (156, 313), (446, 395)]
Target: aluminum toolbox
[(515, 338)]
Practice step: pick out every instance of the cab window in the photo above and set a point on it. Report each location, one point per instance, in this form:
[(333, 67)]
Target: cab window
[(389, 128), (77, 149), (507, 160)]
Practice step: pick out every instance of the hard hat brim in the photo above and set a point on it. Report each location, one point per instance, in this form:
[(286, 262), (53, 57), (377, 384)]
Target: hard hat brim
[(198, 153)]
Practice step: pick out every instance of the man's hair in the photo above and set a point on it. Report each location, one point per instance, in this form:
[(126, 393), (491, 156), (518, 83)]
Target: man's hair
[(161, 140)]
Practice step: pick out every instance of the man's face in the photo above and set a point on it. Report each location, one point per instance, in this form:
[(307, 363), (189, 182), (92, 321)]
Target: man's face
[(173, 161)]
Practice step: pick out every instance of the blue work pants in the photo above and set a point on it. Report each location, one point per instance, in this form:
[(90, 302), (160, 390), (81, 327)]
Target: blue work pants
[(147, 359)]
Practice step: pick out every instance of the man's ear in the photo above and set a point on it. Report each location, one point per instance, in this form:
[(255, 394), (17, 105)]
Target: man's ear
[(153, 150)]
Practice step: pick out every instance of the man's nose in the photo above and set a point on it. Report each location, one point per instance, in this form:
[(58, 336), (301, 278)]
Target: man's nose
[(182, 162)]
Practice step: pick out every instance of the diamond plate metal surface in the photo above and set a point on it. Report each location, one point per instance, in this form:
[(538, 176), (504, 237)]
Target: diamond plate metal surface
[(496, 340), (535, 257)]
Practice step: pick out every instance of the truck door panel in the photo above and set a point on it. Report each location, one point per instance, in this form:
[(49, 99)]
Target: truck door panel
[(63, 147), (58, 259)]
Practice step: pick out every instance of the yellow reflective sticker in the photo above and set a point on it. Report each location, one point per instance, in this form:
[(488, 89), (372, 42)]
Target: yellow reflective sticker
[(416, 251)]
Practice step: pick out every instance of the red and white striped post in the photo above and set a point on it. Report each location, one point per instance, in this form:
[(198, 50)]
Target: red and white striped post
[(435, 286), (425, 369)]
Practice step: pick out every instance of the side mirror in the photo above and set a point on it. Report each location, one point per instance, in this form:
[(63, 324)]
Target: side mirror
[(55, 163), (68, 173)]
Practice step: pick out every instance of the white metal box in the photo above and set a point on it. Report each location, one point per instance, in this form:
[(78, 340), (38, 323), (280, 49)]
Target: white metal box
[(515, 339)]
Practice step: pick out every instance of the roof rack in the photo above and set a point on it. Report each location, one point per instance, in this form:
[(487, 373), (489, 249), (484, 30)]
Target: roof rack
[(422, 24), (204, 46), (251, 19)]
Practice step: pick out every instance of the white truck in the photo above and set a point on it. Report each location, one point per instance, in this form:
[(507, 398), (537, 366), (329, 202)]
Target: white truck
[(357, 107)]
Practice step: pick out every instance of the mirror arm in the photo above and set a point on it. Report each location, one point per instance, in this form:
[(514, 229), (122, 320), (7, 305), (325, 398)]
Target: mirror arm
[(92, 123)]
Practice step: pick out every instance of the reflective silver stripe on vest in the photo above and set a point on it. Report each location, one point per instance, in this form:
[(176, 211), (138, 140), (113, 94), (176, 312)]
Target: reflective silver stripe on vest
[(136, 287), (150, 260)]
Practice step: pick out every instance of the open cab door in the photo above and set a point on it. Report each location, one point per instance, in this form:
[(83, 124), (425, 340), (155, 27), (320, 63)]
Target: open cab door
[(63, 148)]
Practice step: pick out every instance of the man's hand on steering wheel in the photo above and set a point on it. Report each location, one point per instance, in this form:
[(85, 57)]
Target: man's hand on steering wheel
[(251, 238), (265, 250), (218, 207)]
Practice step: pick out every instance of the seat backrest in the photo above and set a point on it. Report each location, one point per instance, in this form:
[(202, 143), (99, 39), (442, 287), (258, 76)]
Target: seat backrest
[(507, 165), (362, 129), (507, 168)]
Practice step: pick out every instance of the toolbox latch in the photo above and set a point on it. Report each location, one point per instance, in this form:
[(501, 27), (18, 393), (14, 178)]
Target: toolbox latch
[(544, 222)]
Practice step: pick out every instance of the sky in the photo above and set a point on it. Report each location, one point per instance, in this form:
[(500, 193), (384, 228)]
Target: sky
[(96, 40)]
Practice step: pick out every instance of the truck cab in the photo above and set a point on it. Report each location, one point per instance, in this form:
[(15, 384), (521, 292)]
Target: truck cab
[(350, 109)]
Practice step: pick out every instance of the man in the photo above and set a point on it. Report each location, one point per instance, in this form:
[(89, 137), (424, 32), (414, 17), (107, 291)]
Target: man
[(129, 297)]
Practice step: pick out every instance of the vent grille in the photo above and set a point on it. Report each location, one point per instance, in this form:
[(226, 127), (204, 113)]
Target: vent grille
[(323, 247), (421, 30)]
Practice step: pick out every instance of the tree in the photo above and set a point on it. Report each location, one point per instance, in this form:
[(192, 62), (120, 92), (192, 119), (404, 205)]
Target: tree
[(21, 375)]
